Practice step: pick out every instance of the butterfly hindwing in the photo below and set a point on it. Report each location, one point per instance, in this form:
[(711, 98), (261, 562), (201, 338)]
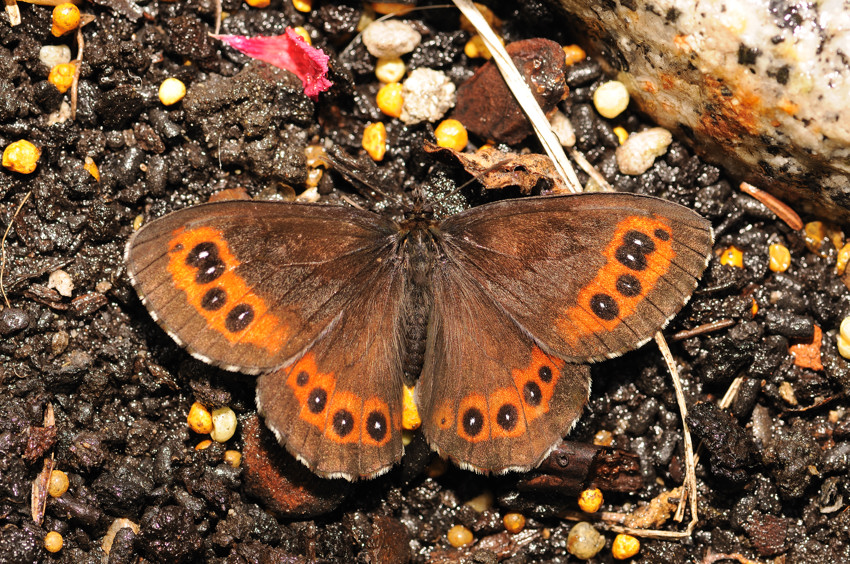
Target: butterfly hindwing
[(589, 276)]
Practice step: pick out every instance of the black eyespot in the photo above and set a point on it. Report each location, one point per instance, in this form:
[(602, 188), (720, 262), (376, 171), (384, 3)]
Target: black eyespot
[(343, 422), (473, 421), (201, 253), (376, 426), (214, 299), (317, 400), (604, 307), (631, 257), (639, 240), (662, 235), (239, 318), (208, 271), (545, 374), (506, 417), (628, 285), (532, 394), (302, 378)]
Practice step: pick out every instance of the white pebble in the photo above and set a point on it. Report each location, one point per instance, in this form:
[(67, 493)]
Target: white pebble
[(640, 150), (844, 338), (428, 95), (390, 38), (390, 70), (224, 424), (62, 282), (171, 91), (52, 55), (611, 98), (584, 541), (562, 127)]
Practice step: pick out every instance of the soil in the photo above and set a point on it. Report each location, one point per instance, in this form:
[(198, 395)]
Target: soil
[(773, 472)]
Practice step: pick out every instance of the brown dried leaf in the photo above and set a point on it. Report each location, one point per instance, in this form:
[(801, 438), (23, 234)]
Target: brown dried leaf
[(38, 497), (40, 439), (495, 169)]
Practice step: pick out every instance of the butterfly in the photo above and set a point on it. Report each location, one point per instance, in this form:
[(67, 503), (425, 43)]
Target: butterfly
[(498, 310)]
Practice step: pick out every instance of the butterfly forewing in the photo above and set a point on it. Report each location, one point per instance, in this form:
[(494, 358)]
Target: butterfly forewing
[(587, 276), (249, 285)]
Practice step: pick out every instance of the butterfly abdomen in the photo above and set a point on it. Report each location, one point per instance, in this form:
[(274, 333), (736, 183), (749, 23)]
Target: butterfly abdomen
[(418, 253)]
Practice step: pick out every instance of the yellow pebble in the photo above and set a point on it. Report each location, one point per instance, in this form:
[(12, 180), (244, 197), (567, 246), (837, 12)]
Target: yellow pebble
[(780, 257), (476, 49), (62, 76), (624, 546), (233, 458), (138, 221), (451, 134), (302, 32), (814, 232), (199, 419), (574, 54), (755, 307), (91, 167), (375, 140), (171, 91), (53, 542), (621, 134), (459, 536), (603, 437), (205, 444), (396, 8), (258, 3), (66, 17), (842, 259), (224, 424), (410, 419), (21, 156), (390, 99), (482, 502), (611, 99), (844, 338), (514, 522), (58, 483), (390, 69), (590, 500), (732, 257), (314, 175), (302, 5)]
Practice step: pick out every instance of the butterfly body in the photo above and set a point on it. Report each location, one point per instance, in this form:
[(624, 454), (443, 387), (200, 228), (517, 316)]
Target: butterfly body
[(497, 310)]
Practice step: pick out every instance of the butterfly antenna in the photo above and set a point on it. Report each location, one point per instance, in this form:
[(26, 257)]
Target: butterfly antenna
[(350, 170)]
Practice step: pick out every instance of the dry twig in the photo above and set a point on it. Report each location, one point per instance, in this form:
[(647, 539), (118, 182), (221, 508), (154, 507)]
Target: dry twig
[(3, 247)]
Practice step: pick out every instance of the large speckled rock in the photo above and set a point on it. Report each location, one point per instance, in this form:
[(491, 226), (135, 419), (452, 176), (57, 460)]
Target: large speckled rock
[(759, 86)]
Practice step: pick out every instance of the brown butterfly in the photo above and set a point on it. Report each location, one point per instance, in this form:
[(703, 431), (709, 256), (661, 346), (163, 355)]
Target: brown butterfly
[(498, 309)]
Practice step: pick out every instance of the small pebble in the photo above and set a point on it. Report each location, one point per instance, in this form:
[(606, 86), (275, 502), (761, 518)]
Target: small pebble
[(640, 150), (451, 134), (584, 542), (59, 342), (62, 76), (12, 320), (52, 55), (590, 500), (21, 156), (428, 95), (302, 32), (171, 91), (395, 8), (624, 546), (53, 542), (62, 282), (514, 522), (258, 3), (482, 502), (842, 259), (621, 134), (302, 5), (199, 419), (390, 38), (475, 48), (603, 437), (233, 458), (224, 424), (410, 419), (66, 18), (390, 69), (611, 99), (780, 257), (459, 536), (375, 140), (390, 99), (58, 483), (574, 54), (203, 445), (563, 128), (844, 338), (732, 256)]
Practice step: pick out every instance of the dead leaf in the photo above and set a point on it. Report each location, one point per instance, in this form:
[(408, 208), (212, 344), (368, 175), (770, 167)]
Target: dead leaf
[(495, 169)]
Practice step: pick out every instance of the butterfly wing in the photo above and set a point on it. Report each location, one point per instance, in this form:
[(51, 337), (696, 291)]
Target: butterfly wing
[(589, 276), (491, 399), (289, 290)]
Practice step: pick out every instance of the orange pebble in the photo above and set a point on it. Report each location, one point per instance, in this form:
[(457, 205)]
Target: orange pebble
[(390, 100), (459, 536), (62, 76), (590, 500), (514, 522), (21, 156), (732, 257), (807, 353), (624, 546), (396, 8), (574, 54), (66, 17), (375, 140), (200, 419), (451, 134)]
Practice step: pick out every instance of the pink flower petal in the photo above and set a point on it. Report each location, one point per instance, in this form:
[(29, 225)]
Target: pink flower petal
[(288, 51)]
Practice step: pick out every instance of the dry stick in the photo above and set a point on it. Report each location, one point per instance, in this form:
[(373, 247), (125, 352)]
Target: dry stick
[(591, 170), (703, 329), (777, 206), (522, 94), (3, 248), (13, 12), (81, 44), (217, 16)]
